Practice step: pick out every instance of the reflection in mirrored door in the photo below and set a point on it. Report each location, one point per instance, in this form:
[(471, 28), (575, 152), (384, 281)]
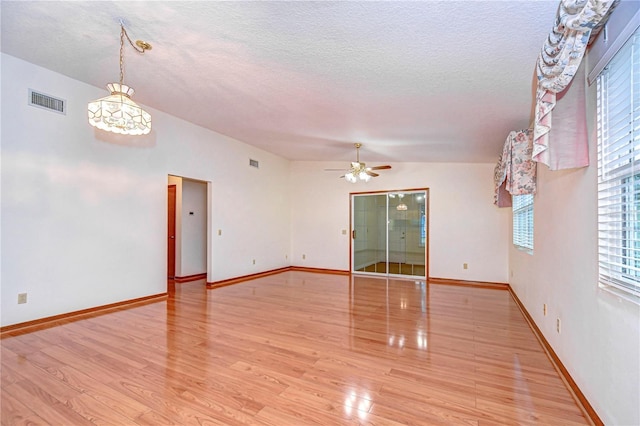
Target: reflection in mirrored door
[(390, 233)]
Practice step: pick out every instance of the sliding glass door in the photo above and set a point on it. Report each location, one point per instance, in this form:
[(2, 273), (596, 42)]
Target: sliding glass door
[(389, 233), (369, 236)]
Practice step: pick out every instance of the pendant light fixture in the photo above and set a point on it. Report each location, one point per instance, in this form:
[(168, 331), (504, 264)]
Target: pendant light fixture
[(117, 113), (402, 206)]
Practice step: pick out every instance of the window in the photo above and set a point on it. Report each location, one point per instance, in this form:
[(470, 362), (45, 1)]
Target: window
[(618, 130), (523, 221)]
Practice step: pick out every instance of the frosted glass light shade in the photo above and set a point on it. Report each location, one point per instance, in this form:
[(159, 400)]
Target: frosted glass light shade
[(364, 176), (117, 113)]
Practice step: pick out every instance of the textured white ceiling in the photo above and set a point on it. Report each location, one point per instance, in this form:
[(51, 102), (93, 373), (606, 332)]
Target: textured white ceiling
[(413, 81)]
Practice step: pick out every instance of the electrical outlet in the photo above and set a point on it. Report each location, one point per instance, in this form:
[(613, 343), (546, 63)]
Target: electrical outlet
[(558, 325), (344, 232), (465, 266), (544, 309), (22, 298), (219, 231)]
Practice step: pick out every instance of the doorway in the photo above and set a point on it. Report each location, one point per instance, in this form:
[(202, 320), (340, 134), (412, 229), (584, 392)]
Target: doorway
[(390, 233), (188, 238), (171, 231)]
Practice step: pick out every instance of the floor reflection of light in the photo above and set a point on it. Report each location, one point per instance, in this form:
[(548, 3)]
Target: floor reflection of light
[(392, 340), (348, 403), (421, 340), (362, 404)]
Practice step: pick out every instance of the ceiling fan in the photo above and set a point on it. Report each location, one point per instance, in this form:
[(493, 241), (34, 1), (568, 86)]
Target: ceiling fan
[(360, 170)]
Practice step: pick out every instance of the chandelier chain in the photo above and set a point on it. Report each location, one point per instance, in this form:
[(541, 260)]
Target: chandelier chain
[(123, 34)]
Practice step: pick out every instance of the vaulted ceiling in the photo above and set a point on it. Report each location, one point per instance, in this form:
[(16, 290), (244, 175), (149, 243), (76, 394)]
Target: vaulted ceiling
[(412, 81)]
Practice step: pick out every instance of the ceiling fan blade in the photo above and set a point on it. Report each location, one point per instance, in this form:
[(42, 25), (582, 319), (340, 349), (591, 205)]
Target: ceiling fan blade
[(358, 168)]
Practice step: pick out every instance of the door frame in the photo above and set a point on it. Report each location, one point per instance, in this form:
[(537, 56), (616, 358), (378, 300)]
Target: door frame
[(426, 224), (171, 239), (209, 212)]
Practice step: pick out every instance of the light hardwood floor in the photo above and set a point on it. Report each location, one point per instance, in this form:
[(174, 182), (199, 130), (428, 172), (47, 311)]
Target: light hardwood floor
[(294, 348)]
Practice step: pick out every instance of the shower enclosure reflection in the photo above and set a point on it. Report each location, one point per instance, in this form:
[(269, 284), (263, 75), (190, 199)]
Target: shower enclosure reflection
[(389, 232)]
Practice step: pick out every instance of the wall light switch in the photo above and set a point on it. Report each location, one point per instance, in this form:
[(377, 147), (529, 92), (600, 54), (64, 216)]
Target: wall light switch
[(219, 231)]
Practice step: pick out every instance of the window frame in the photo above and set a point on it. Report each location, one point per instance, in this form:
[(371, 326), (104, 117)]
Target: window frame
[(523, 218), (618, 161)]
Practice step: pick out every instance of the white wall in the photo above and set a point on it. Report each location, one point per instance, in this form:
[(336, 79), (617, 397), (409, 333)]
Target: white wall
[(464, 225), (84, 212), (599, 342)]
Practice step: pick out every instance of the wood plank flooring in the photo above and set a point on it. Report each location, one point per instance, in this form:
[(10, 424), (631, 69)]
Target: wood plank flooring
[(295, 348)]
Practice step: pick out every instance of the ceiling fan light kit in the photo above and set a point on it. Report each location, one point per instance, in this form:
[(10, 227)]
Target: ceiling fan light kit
[(360, 171)]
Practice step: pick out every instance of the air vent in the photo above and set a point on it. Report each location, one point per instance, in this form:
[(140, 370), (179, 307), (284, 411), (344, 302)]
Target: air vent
[(253, 163), (50, 103)]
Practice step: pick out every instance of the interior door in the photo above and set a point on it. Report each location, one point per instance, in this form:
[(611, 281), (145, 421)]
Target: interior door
[(171, 231)]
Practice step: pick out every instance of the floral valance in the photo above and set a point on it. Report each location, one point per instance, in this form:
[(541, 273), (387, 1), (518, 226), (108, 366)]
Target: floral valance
[(576, 22), (515, 173)]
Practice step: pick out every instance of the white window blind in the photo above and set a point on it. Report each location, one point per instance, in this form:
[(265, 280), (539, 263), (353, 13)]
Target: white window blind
[(618, 129), (523, 221)]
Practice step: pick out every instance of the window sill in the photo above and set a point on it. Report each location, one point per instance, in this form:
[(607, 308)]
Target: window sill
[(527, 250), (620, 293)]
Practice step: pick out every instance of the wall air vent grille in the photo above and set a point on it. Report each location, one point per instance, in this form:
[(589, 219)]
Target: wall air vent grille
[(50, 103), (254, 163)]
